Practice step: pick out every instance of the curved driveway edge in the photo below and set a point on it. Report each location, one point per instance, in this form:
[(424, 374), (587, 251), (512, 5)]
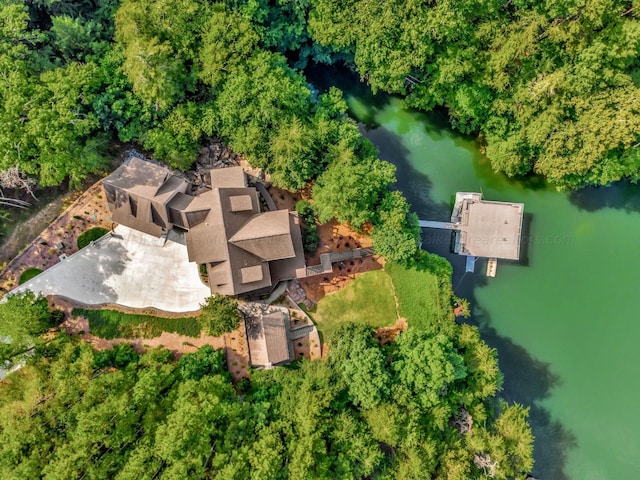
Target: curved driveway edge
[(129, 268)]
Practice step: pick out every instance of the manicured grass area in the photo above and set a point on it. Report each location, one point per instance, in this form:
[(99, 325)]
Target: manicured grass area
[(368, 299), (423, 290), (28, 274), (89, 236), (110, 324)]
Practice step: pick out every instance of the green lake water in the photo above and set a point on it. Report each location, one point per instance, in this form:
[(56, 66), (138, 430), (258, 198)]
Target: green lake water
[(563, 319)]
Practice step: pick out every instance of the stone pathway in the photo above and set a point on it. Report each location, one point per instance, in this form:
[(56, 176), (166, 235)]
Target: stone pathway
[(298, 295)]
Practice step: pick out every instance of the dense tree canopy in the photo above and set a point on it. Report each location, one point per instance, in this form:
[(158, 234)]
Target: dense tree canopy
[(46, 89), (351, 190), (23, 319), (167, 73), (397, 232), (551, 86), (73, 412)]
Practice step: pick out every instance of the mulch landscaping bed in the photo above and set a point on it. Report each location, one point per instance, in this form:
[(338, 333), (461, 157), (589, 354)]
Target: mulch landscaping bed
[(88, 211)]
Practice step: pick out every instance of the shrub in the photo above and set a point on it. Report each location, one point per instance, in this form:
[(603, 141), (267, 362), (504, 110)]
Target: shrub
[(304, 208), (205, 361), (57, 316), (310, 230), (91, 235), (396, 235)]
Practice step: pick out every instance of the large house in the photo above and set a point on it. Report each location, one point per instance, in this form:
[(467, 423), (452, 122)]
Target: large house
[(245, 251)]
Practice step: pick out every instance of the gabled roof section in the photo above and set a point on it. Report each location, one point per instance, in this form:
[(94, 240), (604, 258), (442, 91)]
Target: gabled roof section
[(244, 271), (269, 340), (138, 174), (181, 201), (220, 276), (147, 179), (186, 212), (230, 177), (207, 245), (267, 236), (295, 267), (171, 185)]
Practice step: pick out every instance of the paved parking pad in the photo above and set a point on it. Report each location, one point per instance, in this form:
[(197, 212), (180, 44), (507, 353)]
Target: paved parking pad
[(129, 268)]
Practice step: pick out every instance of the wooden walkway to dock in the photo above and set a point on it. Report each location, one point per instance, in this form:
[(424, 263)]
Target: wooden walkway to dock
[(440, 225), (327, 259)]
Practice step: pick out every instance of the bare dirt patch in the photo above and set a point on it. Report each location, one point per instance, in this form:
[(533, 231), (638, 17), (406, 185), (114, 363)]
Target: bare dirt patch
[(308, 347), (386, 335), (284, 199)]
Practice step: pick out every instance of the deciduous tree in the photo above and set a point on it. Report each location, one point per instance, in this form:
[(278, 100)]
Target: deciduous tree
[(351, 190), (219, 315)]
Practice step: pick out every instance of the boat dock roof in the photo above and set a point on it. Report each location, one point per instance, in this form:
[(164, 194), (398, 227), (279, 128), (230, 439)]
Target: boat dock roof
[(488, 229)]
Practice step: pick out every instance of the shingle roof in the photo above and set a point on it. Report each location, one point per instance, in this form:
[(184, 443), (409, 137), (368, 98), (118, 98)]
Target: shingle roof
[(138, 174), (269, 340), (207, 245), (225, 229), (143, 191), (266, 235), (230, 177)]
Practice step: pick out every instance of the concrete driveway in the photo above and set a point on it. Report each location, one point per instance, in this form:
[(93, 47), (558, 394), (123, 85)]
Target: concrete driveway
[(130, 268)]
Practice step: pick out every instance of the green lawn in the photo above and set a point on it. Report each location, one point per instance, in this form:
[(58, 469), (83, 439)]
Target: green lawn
[(368, 299), (423, 291), (92, 235), (28, 274), (111, 324)]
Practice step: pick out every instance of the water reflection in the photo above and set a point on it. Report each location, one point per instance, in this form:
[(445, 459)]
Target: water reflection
[(526, 380), (401, 135), (625, 196)]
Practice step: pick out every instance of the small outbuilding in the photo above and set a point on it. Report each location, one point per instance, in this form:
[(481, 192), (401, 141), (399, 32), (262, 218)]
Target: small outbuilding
[(269, 338)]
